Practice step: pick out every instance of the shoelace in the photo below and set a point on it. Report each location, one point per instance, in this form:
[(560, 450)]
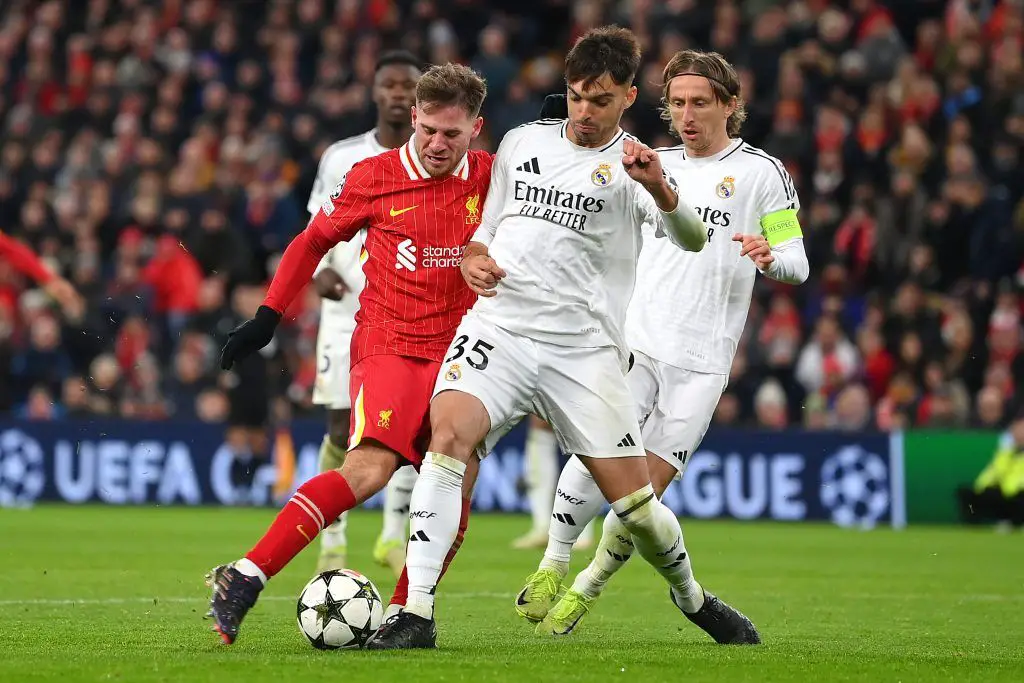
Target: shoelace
[(537, 581), (572, 603)]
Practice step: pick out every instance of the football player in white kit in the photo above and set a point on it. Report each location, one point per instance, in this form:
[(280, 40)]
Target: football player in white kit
[(687, 313), (339, 280), (561, 231)]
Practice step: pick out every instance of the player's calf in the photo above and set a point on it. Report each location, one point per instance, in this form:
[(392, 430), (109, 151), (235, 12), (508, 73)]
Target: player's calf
[(458, 423), (333, 540), (656, 534), (577, 501)]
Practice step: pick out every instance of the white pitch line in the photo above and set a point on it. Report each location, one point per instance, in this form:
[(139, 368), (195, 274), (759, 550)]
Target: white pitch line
[(201, 600)]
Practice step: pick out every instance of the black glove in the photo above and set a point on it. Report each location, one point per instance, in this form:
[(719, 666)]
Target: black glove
[(250, 336), (554, 107)]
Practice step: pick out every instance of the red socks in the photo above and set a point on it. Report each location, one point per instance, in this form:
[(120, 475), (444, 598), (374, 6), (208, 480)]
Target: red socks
[(316, 504), (401, 594)]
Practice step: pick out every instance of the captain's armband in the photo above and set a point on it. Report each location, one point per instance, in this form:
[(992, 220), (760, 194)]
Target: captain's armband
[(780, 226)]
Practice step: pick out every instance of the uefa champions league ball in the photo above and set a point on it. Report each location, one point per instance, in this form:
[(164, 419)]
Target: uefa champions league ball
[(339, 609)]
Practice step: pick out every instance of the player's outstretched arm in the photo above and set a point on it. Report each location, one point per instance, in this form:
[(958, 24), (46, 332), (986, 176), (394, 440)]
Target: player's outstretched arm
[(676, 219), (340, 218), (480, 271), (23, 259)]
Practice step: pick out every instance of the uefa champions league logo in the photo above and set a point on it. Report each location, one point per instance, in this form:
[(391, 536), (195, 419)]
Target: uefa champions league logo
[(855, 487), (21, 469)]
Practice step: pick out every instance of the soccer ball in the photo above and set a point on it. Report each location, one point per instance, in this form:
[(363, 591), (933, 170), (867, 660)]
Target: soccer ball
[(339, 609)]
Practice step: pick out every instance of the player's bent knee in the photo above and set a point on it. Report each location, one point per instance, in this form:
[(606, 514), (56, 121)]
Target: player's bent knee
[(368, 468), (458, 422), (639, 517)]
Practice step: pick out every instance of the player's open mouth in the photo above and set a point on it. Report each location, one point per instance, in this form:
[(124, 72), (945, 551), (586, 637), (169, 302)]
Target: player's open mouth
[(689, 133), (434, 159)]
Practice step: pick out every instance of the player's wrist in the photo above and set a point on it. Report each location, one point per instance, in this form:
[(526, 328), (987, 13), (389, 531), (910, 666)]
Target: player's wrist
[(267, 316), (664, 196)]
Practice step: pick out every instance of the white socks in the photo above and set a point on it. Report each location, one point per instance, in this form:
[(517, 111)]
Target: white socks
[(397, 497), (331, 457), (577, 501), (436, 507), (656, 535), (249, 568), (615, 548), (541, 467)]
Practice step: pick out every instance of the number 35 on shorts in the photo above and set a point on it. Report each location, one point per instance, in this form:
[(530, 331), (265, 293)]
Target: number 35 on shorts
[(473, 350)]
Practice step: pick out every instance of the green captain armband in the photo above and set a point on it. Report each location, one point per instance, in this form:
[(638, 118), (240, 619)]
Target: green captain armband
[(780, 226)]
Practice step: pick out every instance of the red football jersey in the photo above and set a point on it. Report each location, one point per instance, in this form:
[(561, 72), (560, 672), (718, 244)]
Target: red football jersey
[(24, 260), (417, 228)]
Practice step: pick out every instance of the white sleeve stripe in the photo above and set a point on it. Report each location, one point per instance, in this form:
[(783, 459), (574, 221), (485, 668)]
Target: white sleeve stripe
[(787, 181)]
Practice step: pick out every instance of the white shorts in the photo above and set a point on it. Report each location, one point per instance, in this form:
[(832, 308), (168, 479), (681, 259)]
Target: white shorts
[(580, 392), (333, 361), (674, 407)]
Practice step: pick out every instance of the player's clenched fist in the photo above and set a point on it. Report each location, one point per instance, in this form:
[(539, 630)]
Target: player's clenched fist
[(480, 271), (641, 163)]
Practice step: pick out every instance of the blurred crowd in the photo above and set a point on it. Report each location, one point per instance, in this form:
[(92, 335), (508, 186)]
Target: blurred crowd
[(159, 153)]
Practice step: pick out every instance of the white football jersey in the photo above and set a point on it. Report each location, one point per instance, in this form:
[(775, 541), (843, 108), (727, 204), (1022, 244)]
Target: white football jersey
[(567, 223), (688, 309), (336, 161)]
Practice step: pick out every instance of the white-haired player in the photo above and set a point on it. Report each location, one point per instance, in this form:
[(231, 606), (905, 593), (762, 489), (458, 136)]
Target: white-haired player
[(688, 310), (339, 279)]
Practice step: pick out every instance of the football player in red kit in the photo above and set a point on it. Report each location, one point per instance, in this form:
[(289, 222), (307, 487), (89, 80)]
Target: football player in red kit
[(24, 260), (420, 205)]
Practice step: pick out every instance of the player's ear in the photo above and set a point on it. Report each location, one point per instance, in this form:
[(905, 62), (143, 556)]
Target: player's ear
[(477, 126), (631, 96), (413, 113), (731, 106)]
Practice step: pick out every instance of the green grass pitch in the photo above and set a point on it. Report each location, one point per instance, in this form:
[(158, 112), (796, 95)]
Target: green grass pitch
[(116, 594)]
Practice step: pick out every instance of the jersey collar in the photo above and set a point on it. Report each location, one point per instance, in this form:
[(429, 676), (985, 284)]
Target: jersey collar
[(414, 167), (735, 144)]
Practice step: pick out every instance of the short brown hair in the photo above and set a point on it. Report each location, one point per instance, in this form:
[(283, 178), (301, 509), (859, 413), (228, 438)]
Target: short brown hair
[(725, 83), (611, 50), (451, 84)]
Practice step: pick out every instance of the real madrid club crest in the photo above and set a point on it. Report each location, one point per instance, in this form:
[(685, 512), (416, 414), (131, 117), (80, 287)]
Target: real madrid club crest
[(473, 210), (454, 373), (726, 188), (602, 175)]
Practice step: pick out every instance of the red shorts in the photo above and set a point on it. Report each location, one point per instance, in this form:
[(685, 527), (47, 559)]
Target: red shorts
[(391, 403)]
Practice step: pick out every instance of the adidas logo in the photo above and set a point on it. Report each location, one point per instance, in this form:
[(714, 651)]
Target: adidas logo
[(680, 558), (564, 518), (530, 166), (627, 441), (617, 557), (419, 536)]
